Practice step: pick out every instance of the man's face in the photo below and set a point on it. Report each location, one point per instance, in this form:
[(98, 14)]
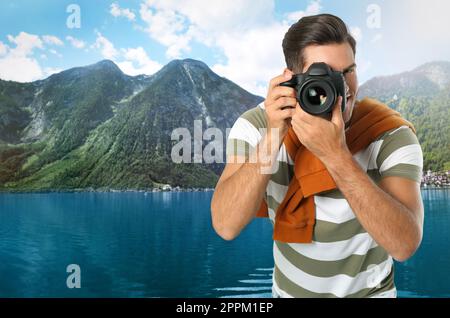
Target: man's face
[(339, 57)]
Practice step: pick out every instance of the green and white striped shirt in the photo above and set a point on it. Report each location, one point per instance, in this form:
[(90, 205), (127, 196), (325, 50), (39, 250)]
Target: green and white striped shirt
[(343, 260)]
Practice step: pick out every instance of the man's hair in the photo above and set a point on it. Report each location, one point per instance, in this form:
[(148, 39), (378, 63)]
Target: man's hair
[(321, 29)]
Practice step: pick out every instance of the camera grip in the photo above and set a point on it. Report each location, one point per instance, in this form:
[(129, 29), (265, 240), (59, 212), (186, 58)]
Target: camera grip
[(290, 83)]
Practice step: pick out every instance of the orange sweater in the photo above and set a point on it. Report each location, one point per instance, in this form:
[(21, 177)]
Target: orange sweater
[(295, 216)]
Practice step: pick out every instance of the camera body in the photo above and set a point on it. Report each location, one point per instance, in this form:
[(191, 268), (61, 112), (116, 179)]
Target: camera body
[(318, 89)]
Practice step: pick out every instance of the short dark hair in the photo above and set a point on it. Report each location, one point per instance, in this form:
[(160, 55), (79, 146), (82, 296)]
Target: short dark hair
[(318, 29)]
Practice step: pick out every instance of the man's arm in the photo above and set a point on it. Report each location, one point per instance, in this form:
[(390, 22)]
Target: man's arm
[(391, 213), (241, 187)]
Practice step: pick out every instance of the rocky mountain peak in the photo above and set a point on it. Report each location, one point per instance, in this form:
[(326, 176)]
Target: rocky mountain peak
[(436, 72)]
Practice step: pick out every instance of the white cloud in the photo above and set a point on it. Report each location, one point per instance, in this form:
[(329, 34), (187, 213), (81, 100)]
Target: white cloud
[(79, 44), (247, 35), (253, 57), (25, 44), (107, 48), (313, 8), (137, 62), (432, 15), (54, 52), (407, 26), (20, 69), (377, 37), (117, 11), (3, 48), (52, 40), (132, 61), (18, 63), (356, 32), (51, 70), (175, 24), (168, 28)]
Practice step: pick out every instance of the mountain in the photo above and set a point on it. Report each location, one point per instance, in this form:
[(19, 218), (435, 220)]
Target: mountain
[(96, 127), (423, 97)]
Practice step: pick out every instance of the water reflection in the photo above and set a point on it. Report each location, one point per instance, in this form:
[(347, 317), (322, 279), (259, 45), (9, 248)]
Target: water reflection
[(426, 274), (163, 245)]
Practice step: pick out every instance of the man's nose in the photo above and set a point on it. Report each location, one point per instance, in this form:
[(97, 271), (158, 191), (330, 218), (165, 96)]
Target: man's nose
[(347, 88)]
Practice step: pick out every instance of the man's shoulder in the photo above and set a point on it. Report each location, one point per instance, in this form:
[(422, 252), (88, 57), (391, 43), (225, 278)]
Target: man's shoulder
[(400, 154), (397, 137), (256, 116)]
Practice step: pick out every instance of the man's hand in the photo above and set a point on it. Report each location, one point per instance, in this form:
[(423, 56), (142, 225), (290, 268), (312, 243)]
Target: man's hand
[(324, 138), (280, 104)]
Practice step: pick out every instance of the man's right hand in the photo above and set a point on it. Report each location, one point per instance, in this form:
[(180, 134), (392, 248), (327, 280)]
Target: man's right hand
[(241, 187), (280, 104)]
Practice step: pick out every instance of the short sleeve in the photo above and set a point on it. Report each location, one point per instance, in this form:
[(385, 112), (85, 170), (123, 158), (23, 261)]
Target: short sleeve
[(400, 155), (244, 136)]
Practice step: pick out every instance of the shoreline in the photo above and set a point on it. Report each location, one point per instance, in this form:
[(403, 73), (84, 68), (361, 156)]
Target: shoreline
[(149, 190), (101, 190), (434, 188)]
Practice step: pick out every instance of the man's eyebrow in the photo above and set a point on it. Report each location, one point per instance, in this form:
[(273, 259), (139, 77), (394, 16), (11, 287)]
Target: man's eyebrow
[(348, 68)]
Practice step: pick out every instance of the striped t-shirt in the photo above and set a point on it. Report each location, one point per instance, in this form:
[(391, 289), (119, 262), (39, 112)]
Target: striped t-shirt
[(343, 260)]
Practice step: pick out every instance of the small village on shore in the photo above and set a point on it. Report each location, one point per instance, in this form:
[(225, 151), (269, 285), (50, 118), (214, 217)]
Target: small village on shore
[(430, 180), (436, 179)]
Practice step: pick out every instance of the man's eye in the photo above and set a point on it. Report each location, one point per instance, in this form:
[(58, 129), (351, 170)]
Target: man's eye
[(349, 71)]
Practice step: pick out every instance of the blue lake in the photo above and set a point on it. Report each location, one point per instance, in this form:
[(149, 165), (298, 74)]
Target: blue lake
[(163, 245)]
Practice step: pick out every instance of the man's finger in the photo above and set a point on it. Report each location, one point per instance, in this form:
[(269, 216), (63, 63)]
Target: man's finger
[(285, 102), (308, 118), (274, 82), (337, 118), (280, 91), (287, 113)]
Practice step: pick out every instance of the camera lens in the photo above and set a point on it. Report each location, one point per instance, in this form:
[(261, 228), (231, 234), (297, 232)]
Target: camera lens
[(316, 96)]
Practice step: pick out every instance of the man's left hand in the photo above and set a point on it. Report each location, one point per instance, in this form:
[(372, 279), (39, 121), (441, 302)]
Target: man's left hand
[(324, 138)]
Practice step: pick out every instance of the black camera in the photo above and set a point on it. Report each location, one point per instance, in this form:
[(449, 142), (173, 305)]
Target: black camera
[(318, 89)]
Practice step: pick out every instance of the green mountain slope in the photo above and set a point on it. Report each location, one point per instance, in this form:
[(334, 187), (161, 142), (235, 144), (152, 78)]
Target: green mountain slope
[(423, 97), (96, 127)]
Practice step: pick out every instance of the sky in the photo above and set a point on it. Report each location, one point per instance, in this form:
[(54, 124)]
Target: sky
[(238, 39)]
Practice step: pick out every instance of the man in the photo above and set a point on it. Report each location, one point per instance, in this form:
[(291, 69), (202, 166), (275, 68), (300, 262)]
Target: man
[(374, 215)]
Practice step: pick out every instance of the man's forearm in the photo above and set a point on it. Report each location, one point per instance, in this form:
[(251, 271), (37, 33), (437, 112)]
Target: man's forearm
[(390, 223), (237, 199)]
